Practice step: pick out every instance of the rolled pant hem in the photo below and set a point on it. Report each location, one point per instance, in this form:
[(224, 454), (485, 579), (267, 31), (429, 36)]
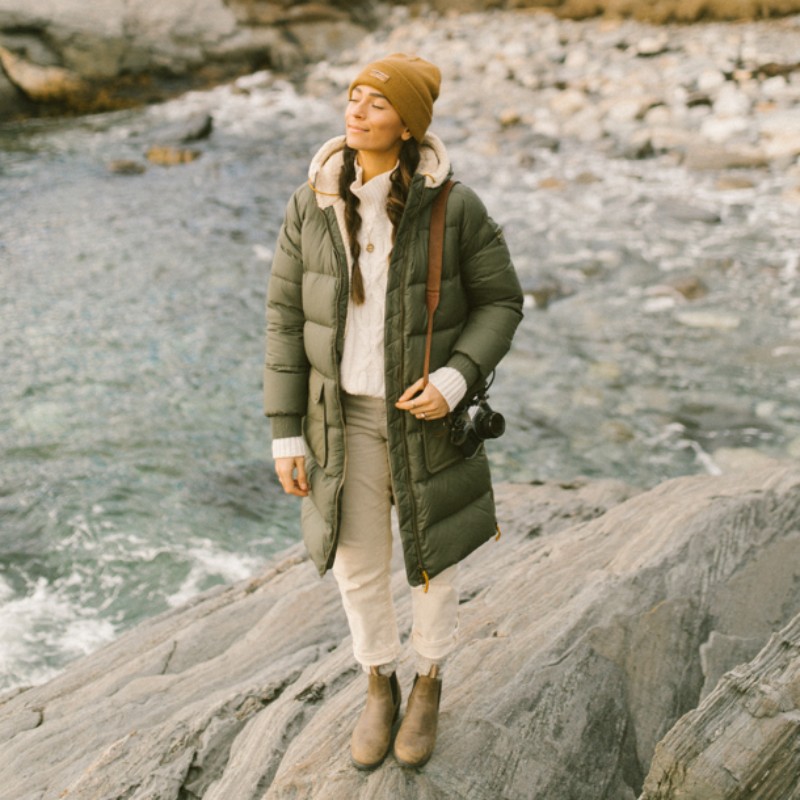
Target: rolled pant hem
[(375, 660), (433, 651)]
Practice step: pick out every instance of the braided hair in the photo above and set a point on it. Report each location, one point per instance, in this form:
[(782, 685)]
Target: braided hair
[(400, 184)]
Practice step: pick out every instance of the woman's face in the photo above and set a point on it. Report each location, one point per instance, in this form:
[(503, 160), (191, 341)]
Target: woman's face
[(372, 124)]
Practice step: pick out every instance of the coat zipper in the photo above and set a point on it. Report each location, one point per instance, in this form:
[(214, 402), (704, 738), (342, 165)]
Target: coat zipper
[(409, 483), (344, 289)]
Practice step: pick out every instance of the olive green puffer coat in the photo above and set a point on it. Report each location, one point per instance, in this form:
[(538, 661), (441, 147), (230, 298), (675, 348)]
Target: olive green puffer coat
[(444, 503)]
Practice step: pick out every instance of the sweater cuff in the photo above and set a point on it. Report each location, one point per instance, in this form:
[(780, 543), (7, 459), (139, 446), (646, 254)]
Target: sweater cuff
[(467, 367), (451, 385), (289, 447)]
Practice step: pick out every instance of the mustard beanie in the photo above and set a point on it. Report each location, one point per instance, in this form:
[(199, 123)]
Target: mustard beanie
[(409, 83)]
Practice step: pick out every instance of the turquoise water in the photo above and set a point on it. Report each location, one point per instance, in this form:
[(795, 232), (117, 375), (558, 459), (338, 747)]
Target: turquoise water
[(135, 465)]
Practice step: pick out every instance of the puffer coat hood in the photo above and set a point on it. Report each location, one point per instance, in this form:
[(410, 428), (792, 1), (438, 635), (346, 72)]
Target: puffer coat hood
[(444, 503)]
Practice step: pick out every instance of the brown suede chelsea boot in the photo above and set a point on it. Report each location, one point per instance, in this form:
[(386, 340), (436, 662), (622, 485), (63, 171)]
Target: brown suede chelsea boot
[(416, 738), (372, 735)]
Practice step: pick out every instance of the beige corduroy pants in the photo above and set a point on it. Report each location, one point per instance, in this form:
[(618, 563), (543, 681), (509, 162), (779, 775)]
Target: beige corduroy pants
[(364, 552)]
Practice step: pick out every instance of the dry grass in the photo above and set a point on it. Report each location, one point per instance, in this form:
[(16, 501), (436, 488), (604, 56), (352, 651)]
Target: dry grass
[(661, 11)]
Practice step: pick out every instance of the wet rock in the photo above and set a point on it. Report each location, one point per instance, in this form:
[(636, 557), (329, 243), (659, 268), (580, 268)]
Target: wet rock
[(702, 156), (41, 84), (125, 166), (543, 141), (547, 291), (568, 102), (690, 287), (781, 132), (192, 129), (683, 211), (616, 430), (553, 183), (509, 117), (701, 99), (708, 319), (650, 46), (733, 182), (167, 156)]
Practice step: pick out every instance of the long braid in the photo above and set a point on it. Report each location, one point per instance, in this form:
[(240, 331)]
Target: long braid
[(401, 183), (352, 221)]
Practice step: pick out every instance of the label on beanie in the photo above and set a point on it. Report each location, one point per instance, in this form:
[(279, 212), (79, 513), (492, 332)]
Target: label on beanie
[(381, 76)]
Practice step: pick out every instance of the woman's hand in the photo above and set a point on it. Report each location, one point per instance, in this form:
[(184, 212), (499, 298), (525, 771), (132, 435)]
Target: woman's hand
[(426, 403), (285, 469)]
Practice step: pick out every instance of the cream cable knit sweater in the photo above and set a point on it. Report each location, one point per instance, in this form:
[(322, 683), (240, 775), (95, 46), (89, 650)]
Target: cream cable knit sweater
[(362, 368)]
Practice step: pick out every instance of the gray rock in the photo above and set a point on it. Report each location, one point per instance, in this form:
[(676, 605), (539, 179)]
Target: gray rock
[(703, 156), (744, 740), (683, 211), (581, 639), (193, 128), (722, 653)]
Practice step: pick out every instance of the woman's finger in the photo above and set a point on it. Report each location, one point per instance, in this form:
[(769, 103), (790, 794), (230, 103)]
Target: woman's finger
[(285, 470), (408, 397)]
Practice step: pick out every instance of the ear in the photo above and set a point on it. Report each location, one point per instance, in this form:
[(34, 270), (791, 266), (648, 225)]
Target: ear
[(405, 135)]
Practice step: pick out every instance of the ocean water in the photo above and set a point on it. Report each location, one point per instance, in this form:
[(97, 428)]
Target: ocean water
[(134, 457)]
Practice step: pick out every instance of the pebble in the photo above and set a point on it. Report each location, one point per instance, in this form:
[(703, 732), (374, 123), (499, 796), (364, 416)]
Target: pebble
[(166, 156), (123, 166), (708, 319)]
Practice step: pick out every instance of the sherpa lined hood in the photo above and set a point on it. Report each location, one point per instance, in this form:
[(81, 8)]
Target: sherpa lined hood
[(325, 167)]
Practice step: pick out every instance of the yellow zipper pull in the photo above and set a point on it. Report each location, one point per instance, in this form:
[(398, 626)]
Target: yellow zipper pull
[(499, 534), (427, 581)]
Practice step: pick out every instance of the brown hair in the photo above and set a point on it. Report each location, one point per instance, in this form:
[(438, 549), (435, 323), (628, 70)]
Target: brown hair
[(395, 204)]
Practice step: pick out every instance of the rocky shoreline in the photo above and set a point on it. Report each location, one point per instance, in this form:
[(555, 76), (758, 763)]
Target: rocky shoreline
[(717, 96), (612, 632), (63, 60), (601, 617)]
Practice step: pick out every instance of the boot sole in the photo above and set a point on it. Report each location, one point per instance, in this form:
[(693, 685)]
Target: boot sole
[(414, 765)]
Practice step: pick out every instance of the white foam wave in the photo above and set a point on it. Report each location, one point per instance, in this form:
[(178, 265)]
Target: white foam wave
[(211, 565), (42, 631)]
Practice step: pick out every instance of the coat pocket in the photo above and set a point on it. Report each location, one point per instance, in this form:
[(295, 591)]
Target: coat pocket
[(440, 452), (315, 424)]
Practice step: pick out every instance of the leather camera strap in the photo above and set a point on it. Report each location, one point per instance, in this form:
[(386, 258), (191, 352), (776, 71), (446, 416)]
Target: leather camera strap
[(434, 283)]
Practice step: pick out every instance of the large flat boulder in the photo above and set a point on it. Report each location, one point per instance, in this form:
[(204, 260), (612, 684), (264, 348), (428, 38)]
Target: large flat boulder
[(584, 636)]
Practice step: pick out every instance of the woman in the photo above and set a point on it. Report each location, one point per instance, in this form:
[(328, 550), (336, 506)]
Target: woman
[(354, 427)]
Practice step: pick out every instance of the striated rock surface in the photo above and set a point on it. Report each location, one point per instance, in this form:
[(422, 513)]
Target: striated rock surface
[(744, 739), (585, 633)]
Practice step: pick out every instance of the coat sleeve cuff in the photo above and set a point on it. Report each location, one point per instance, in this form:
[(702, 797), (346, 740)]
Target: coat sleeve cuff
[(451, 385), (289, 447), (285, 426)]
